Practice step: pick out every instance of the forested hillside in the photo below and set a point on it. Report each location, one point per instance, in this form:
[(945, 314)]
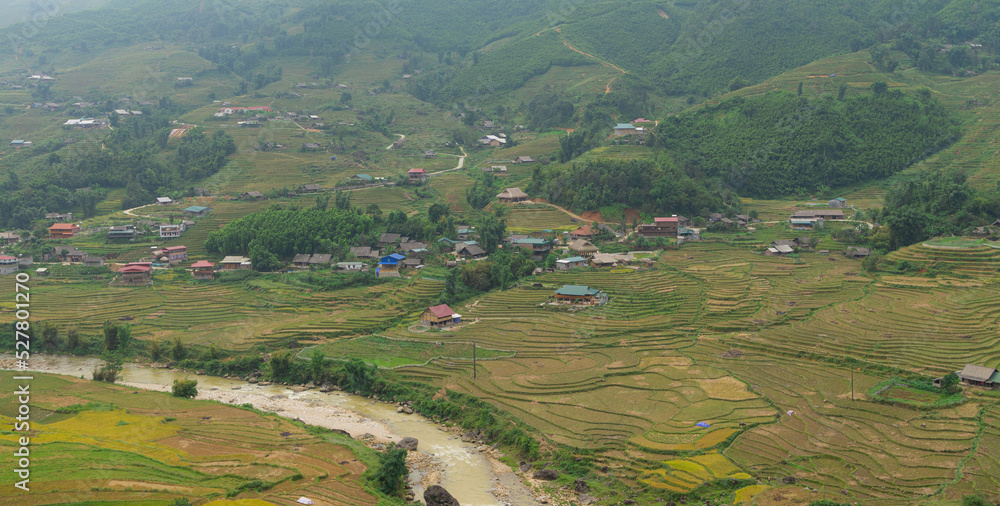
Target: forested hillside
[(778, 143)]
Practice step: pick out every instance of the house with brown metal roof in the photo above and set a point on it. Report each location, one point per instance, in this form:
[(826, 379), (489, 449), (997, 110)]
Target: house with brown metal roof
[(63, 230), (440, 316), (203, 269), (978, 375)]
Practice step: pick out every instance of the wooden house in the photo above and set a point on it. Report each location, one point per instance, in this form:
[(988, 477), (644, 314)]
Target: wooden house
[(583, 232), (977, 375), (512, 195), (136, 273), (539, 247), (252, 195), (196, 210), (320, 259), (63, 230), (856, 252), (469, 250), (580, 294), (89, 261), (364, 252), (417, 175), (73, 254), (310, 188), (232, 263), (203, 269), (661, 227), (126, 233), (524, 159), (583, 247), (413, 263), (301, 260), (8, 238), (175, 253), (837, 202), (440, 316)]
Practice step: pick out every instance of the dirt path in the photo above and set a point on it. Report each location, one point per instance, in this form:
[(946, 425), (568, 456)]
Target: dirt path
[(130, 213), (461, 162), (571, 215), (607, 88), (401, 137)]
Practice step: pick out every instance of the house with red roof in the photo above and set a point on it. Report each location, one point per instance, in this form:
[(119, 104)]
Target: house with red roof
[(8, 265), (63, 230), (203, 269), (136, 272), (440, 316), (661, 227), (417, 175), (583, 232), (175, 253)]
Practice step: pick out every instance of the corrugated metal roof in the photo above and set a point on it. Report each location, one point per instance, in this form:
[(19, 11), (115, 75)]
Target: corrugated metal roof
[(977, 372)]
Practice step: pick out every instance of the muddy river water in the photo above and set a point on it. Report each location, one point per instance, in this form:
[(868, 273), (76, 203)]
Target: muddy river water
[(464, 471)]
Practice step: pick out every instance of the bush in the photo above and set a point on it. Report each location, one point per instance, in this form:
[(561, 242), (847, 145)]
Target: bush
[(391, 471), (185, 388)]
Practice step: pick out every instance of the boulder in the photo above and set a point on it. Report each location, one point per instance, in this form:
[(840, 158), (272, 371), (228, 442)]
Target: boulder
[(585, 499), (406, 410), (580, 486), (546, 474), (408, 443), (525, 467), (436, 495)]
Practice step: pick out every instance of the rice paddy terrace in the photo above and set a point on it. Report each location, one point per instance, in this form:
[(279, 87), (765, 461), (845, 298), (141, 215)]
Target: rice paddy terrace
[(736, 340), (95, 442)]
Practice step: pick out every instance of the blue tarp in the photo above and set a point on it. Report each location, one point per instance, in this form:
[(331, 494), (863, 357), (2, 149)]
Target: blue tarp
[(703, 424)]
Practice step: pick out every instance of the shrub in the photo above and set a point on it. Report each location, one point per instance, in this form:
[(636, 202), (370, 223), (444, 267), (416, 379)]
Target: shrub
[(185, 388), (391, 471)]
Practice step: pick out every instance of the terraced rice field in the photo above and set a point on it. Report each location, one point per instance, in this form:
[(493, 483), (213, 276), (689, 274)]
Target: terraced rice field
[(385, 352), (130, 452)]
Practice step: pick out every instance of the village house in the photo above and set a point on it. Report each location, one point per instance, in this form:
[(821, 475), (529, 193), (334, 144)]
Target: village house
[(412, 246), (164, 201), (779, 250), (89, 261), (417, 175), (136, 273), (253, 195), (412, 263), (365, 178), (349, 266), (539, 247), (59, 217), (493, 141), (63, 230), (301, 260), (440, 316), (203, 269), (391, 262), (825, 214), (583, 247), (570, 263), (72, 254), (20, 143), (524, 159), (311, 146), (512, 195), (231, 263), (977, 375), (364, 252), (471, 251), (496, 170), (464, 232), (388, 238), (126, 232), (310, 188), (622, 129), (661, 227), (320, 260), (805, 223), (175, 253), (580, 294), (8, 265), (583, 232), (196, 210), (8, 238), (430, 154), (171, 231)]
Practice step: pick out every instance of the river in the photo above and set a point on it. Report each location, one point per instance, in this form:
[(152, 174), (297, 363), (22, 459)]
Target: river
[(464, 471)]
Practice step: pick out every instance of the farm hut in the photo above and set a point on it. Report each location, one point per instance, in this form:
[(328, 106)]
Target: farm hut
[(570, 263), (301, 260), (440, 316), (389, 238), (126, 232), (412, 263), (310, 188), (580, 294), (364, 252), (8, 265), (411, 246), (253, 195), (164, 201), (604, 260), (349, 266), (978, 375), (63, 230), (583, 247), (430, 154), (74, 255), (203, 269), (90, 261), (136, 273), (512, 195), (320, 259), (232, 263), (838, 202), (855, 252), (524, 159)]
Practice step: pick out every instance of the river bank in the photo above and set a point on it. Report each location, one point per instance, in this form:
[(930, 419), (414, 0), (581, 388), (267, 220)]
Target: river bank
[(472, 473)]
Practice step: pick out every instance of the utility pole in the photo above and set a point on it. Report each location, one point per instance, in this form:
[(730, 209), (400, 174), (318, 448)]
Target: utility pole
[(852, 383), (474, 361)]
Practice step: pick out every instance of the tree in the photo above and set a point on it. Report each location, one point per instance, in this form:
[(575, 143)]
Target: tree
[(111, 341), (342, 200), (316, 362), (799, 92), (322, 201), (345, 98), (391, 471), (178, 351), (111, 370), (72, 338), (360, 377), (185, 388), (437, 211), (842, 91), (879, 88), (490, 231)]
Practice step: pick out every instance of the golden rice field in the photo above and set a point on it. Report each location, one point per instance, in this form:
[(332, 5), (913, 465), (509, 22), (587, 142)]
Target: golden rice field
[(124, 448)]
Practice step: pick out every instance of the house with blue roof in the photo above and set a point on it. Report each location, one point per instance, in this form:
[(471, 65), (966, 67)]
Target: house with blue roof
[(391, 262), (196, 210), (570, 263)]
